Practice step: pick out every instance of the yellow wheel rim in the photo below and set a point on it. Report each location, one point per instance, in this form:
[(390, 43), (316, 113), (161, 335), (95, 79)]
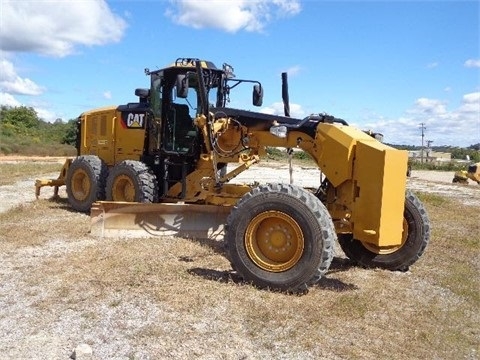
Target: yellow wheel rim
[(385, 250), (123, 189), (274, 241), (80, 185)]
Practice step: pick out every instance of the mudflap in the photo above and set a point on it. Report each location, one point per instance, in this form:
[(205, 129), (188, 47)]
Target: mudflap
[(122, 219)]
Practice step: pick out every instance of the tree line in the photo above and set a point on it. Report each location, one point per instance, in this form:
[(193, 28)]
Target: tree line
[(23, 131)]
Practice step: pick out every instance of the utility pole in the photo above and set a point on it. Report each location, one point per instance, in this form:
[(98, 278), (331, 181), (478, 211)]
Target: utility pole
[(423, 127)]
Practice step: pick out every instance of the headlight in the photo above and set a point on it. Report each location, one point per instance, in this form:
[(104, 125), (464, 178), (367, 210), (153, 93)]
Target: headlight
[(279, 131)]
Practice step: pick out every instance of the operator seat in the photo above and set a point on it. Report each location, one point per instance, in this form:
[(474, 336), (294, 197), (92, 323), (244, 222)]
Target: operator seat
[(182, 130)]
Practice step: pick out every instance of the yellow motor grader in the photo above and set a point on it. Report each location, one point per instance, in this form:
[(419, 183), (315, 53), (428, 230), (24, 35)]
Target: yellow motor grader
[(160, 165), (472, 173)]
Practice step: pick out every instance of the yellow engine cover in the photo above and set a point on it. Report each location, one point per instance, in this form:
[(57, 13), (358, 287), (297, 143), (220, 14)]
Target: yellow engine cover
[(113, 135)]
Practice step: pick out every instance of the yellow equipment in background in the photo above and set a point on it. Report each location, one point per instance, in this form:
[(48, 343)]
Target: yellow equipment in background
[(160, 165), (472, 173)]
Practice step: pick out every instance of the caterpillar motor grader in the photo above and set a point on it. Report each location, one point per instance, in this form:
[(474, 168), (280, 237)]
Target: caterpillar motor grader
[(472, 173), (161, 163)]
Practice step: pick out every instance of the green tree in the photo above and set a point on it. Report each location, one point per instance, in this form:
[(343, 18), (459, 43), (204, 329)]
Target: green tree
[(21, 117), (70, 136), (462, 153)]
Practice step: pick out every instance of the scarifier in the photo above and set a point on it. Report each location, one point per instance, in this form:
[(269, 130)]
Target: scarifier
[(160, 165)]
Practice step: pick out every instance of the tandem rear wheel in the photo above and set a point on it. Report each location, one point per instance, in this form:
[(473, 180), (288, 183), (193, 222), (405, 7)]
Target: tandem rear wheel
[(280, 237), (131, 181), (85, 182)]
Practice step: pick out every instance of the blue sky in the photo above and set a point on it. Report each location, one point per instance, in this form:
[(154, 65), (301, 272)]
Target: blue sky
[(386, 66)]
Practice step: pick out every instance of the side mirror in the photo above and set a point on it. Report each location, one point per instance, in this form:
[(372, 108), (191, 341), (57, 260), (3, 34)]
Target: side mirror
[(257, 95), (182, 86)]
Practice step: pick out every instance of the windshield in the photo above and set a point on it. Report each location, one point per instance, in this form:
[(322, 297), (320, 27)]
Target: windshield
[(191, 101)]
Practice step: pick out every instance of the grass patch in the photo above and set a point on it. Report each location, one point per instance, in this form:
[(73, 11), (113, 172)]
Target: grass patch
[(454, 247), (299, 157), (25, 226), (449, 166), (458, 280), (28, 147), (433, 199), (10, 173)]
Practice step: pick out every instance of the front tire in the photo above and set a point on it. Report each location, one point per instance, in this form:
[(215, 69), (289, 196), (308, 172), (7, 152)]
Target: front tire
[(85, 182), (280, 237), (132, 181), (416, 234)]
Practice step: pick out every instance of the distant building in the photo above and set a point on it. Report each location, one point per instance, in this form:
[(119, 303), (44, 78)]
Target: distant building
[(429, 156)]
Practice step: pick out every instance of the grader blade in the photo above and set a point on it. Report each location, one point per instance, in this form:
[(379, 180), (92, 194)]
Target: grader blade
[(120, 219)]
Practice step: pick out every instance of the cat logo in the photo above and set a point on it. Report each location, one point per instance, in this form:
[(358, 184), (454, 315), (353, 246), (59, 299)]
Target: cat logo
[(135, 121)]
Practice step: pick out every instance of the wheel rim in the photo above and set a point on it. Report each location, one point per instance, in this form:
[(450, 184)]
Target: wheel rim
[(80, 185), (274, 241), (123, 189), (385, 250)]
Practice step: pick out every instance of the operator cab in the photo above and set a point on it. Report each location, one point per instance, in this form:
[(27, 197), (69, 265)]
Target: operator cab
[(178, 94)]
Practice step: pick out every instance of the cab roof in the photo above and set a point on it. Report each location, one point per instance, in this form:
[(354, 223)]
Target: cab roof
[(186, 63)]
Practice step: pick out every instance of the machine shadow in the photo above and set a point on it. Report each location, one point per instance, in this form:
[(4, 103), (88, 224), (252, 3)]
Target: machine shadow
[(60, 203), (217, 245), (230, 276), (338, 265)]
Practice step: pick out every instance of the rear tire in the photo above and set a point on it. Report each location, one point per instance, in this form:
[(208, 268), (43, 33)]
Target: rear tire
[(85, 182), (280, 237), (132, 181), (416, 236)]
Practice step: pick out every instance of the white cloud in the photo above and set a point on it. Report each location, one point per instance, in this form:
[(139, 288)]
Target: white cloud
[(11, 82), (429, 106), (457, 127), (432, 65), (46, 114), (296, 110), (107, 95), (42, 109), (8, 100), (233, 15), (471, 104), (56, 27), (472, 63), (294, 70)]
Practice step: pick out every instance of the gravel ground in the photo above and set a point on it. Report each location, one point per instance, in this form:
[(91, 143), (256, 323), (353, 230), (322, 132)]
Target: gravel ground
[(16, 297)]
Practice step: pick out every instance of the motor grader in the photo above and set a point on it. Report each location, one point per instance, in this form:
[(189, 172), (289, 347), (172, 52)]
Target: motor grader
[(161, 164), (472, 173)]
